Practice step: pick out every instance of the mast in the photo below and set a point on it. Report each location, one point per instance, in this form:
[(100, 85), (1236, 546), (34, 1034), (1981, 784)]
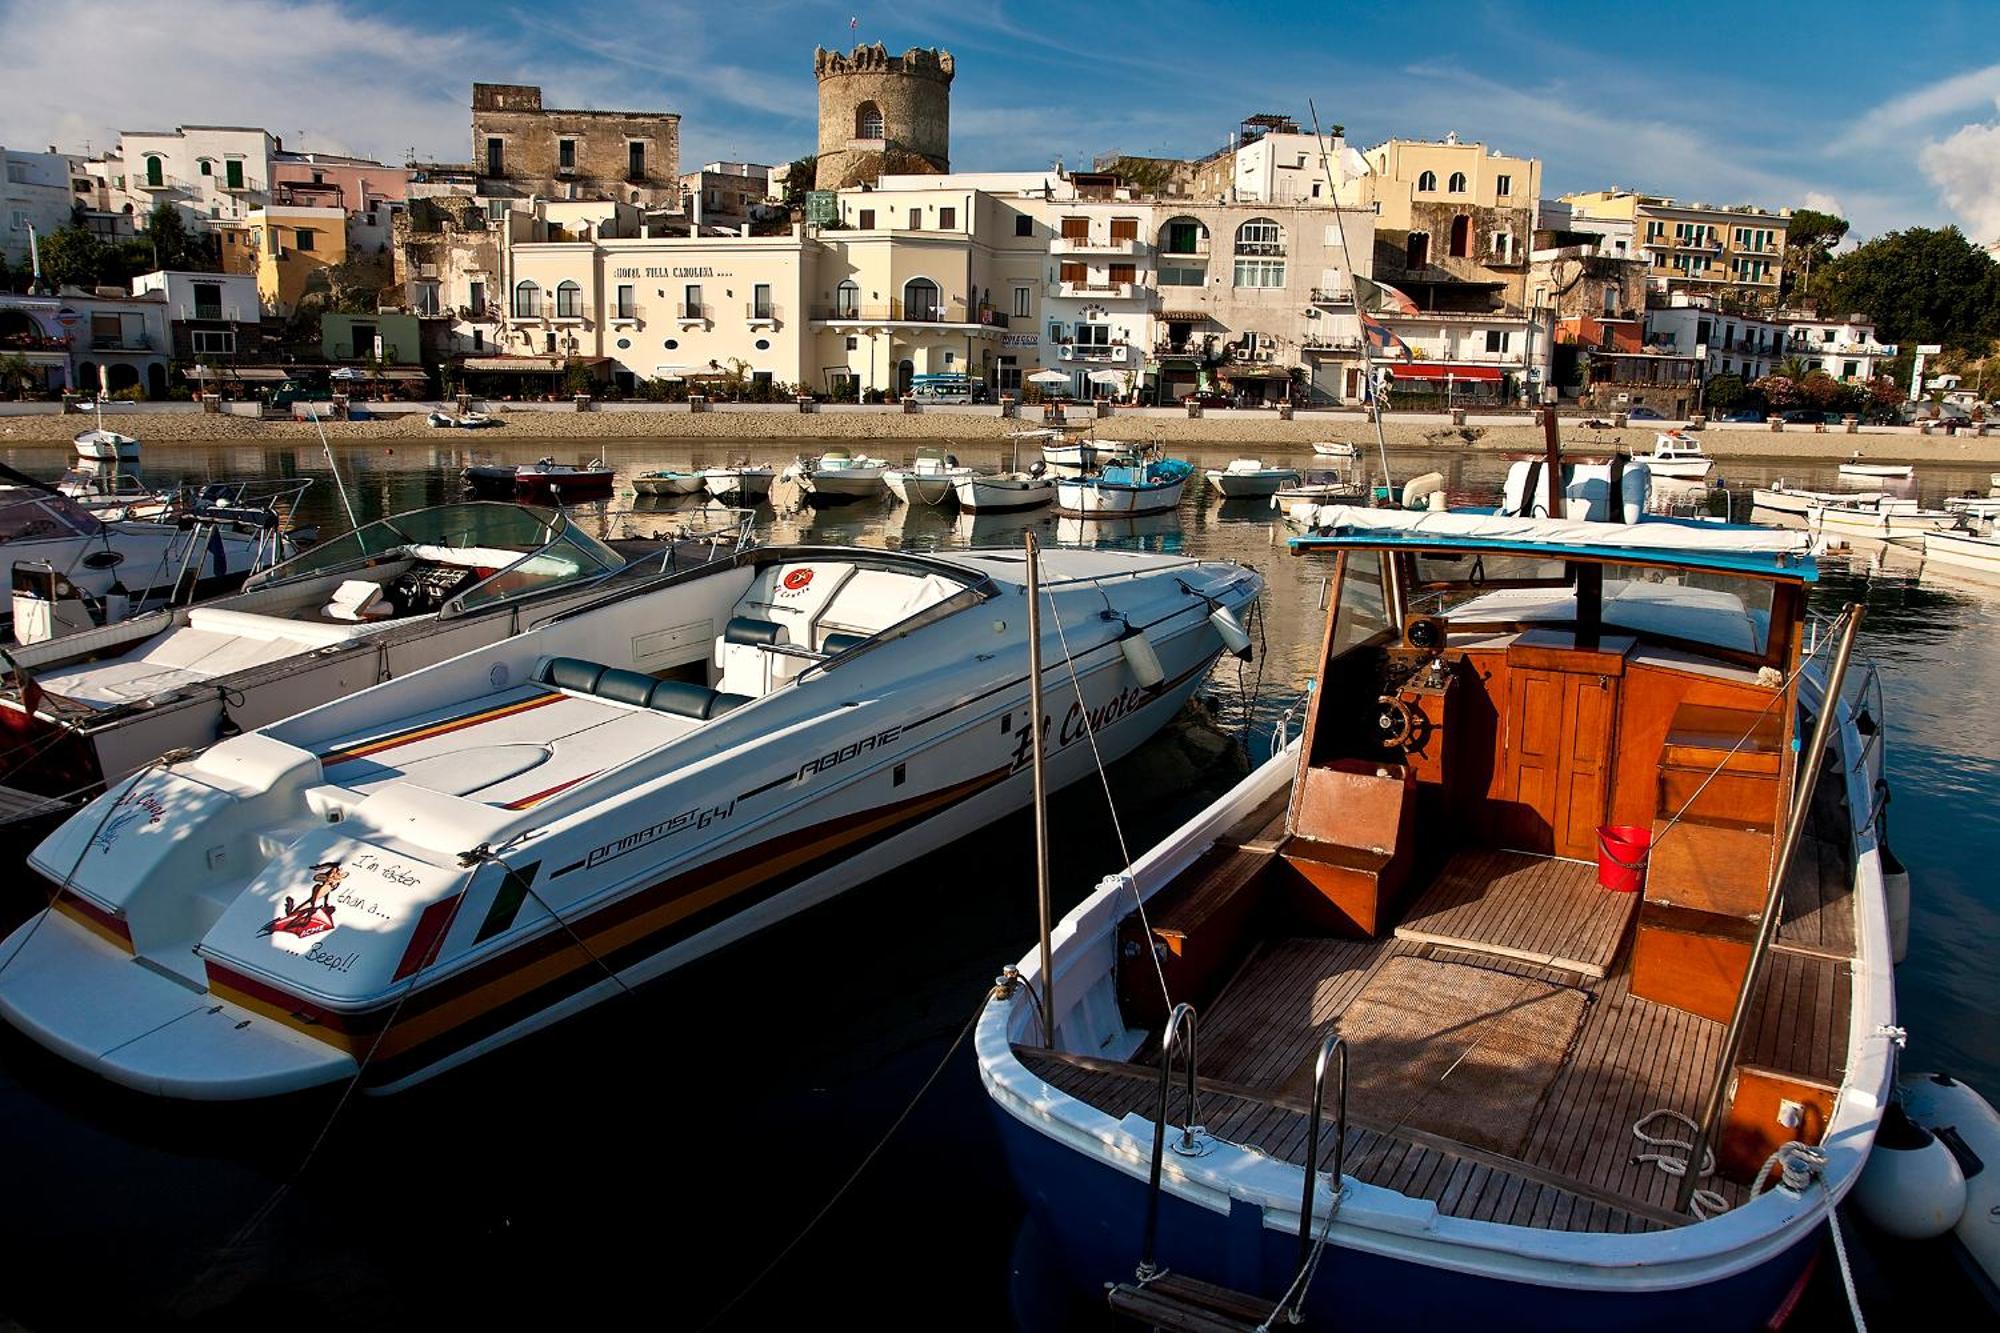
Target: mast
[(1354, 299), (1041, 790)]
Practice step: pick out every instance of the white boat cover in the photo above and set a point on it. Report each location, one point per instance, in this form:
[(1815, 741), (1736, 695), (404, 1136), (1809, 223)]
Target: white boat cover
[(1645, 535)]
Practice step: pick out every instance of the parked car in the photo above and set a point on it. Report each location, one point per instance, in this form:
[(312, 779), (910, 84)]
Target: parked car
[(1807, 416), (1642, 413), (1210, 398), (1741, 416)]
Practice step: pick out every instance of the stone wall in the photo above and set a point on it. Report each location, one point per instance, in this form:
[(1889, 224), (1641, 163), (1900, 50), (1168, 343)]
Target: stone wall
[(531, 136), (913, 93), (1476, 266)]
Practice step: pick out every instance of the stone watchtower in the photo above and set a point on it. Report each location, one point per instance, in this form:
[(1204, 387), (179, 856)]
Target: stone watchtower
[(882, 114)]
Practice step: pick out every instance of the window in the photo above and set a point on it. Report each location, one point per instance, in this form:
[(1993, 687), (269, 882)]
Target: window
[(1260, 273), (476, 299), (232, 173), (760, 301), (206, 166), (1124, 274), (1023, 225), (948, 219), (1427, 182), (1124, 229), (213, 342), (1023, 296), (208, 300), (1496, 340), (305, 240), (1076, 229), (427, 298), (1055, 331), (1259, 236), (569, 300), (627, 307), (1093, 335), (1503, 247), (1183, 237), (319, 178), (868, 122), (1009, 374), (496, 210), (635, 161), (20, 220), (1461, 236), (566, 154), (1175, 275), (1655, 229), (1849, 369), (156, 171), (853, 343), (1503, 185), (691, 305), (846, 301), (479, 340), (920, 299), (916, 219), (527, 301), (496, 158), (1417, 250), (1073, 273), (1610, 298), (1457, 183), (866, 219)]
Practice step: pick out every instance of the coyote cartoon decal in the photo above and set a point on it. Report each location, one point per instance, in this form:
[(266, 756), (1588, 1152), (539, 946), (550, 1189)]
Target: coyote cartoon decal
[(314, 916)]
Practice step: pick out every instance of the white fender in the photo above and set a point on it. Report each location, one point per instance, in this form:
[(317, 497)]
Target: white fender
[(1418, 490), (1968, 1125), (1140, 656)]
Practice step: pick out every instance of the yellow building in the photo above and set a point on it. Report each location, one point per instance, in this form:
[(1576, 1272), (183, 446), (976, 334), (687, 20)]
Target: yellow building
[(1702, 248), (283, 246), (1454, 222)]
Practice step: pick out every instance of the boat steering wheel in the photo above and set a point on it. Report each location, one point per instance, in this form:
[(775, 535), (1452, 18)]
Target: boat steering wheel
[(1396, 722)]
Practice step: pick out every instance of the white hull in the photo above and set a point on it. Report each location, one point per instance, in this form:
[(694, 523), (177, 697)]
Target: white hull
[(1963, 550), (106, 446), (1679, 469), (679, 483), (1336, 449), (727, 483), (1091, 499), (1250, 485), (1000, 495), (1876, 470), (1073, 460), (924, 488), (1880, 524)]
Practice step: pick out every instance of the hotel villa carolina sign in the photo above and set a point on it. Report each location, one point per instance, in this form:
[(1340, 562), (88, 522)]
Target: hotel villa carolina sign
[(678, 271)]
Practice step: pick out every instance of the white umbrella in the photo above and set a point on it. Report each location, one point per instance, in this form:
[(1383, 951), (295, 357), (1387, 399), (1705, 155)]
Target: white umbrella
[(345, 373), (1050, 376), (1107, 377)]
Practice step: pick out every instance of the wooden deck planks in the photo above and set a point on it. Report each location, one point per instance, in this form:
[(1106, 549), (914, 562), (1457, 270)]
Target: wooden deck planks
[(1514, 905)]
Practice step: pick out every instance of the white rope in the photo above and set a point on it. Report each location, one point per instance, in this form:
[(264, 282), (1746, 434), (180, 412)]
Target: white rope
[(1704, 1202), (1302, 1283)]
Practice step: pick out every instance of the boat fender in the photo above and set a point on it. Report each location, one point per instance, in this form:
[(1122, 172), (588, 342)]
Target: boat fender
[(1896, 896), (1966, 1124), (1417, 491), (117, 603), (1139, 656), (1912, 1187), (1234, 636)]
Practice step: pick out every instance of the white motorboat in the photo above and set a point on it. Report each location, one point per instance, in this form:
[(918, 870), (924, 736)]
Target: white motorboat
[(1249, 479), (1676, 455), (409, 876), (931, 479), (1974, 548), (106, 446), (1124, 486), (1067, 457), (389, 597), (1317, 493), (1882, 520), (72, 569), (734, 485), (1977, 506), (1396, 920), (1781, 498), (460, 420), (1854, 467), (668, 483), (838, 477), (1336, 449), (1005, 492)]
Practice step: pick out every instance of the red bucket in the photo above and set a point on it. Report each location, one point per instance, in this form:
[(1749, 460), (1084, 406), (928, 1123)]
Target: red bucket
[(1621, 857)]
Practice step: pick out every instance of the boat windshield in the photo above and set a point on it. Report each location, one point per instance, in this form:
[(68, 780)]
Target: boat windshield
[(38, 515), (573, 556)]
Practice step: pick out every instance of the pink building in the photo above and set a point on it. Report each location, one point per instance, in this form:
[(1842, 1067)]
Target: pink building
[(367, 191)]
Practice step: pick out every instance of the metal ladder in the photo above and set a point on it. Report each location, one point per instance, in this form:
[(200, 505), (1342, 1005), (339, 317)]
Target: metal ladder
[(1160, 1298)]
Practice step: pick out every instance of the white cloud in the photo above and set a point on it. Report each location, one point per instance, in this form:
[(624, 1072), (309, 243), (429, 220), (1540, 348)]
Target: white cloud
[(1965, 167), (1823, 202), (1961, 92)]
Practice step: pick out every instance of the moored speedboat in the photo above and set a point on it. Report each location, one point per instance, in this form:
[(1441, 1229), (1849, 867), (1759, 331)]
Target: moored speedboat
[(1127, 485), (838, 477), (546, 477), (1412, 877), (1854, 467), (417, 873), (1336, 449), (1005, 492), (734, 485), (1676, 455), (1249, 479), (667, 483)]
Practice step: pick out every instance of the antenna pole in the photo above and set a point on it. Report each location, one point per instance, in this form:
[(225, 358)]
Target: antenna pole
[(338, 484)]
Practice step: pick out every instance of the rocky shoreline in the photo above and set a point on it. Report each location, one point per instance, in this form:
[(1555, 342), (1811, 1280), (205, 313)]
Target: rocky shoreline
[(1250, 431)]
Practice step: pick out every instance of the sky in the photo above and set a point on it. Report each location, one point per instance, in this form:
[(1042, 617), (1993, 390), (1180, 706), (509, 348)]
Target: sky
[(1888, 115)]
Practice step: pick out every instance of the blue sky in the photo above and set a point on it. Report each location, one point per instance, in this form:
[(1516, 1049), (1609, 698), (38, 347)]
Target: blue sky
[(1887, 113)]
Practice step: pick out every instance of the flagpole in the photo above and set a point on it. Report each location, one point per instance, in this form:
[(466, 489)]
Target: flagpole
[(1372, 392)]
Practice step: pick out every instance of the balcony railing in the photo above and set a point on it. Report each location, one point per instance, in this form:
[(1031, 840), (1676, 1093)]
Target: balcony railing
[(1200, 251), (626, 312), (693, 312), (1332, 296), (1092, 291), (1096, 353), (942, 312), (120, 342), (1085, 245), (1319, 342), (308, 194), (31, 342), (762, 313)]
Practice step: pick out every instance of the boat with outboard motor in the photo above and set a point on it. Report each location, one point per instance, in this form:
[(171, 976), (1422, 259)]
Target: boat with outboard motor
[(1445, 1072), (375, 603), (1125, 486), (838, 477), (738, 483), (931, 478), (411, 875), (667, 482), (544, 478), (1854, 467), (1677, 456), (1249, 479)]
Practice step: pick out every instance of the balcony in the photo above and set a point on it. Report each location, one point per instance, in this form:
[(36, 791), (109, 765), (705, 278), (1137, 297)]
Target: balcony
[(1336, 296), (1321, 342), (764, 315), (228, 186), (120, 342), (897, 312), (1096, 354), (1084, 245), (690, 315), (1093, 291), (163, 184), (1200, 251), (308, 194)]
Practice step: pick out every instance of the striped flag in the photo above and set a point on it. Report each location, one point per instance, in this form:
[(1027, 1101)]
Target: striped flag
[(1382, 338), (1372, 295)]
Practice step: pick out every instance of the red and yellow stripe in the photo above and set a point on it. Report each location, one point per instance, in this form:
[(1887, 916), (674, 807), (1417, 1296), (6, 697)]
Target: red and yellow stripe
[(362, 749)]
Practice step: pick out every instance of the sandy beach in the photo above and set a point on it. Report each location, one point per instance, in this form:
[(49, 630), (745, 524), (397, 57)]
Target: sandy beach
[(1250, 430)]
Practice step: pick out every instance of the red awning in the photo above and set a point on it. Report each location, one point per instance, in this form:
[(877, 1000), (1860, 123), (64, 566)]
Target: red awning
[(1438, 370)]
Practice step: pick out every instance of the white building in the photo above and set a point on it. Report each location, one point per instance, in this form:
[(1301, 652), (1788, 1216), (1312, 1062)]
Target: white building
[(73, 340), (1753, 346), (34, 192), (207, 172)]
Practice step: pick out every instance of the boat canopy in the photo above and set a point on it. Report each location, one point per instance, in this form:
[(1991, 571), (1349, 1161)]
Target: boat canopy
[(1730, 547), (525, 548)]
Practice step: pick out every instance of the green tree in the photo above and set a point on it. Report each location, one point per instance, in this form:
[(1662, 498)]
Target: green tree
[(1809, 242), (799, 180), (1725, 392), (72, 256), (1923, 284), (16, 375), (168, 243)]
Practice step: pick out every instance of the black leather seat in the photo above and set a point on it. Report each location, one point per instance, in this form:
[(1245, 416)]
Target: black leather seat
[(839, 642), (751, 630), (681, 697), (571, 673), (625, 687)]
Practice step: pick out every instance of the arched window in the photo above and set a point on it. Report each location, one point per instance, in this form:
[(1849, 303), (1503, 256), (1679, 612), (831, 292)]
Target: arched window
[(920, 299), (847, 300), (1417, 251), (156, 171), (1259, 236), (208, 166), (527, 301), (868, 121), (1183, 236), (1461, 236), (1427, 182), (1457, 183), (569, 300)]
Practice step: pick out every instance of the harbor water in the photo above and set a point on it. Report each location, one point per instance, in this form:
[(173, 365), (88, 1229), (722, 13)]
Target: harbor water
[(649, 1159)]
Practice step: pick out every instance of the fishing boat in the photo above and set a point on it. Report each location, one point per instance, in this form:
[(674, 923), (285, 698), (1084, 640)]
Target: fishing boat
[(1005, 492), (1067, 455), (103, 445), (838, 477), (1854, 467), (668, 483), (1124, 486), (1336, 449), (382, 600), (1249, 479), (1676, 455), (1971, 545), (545, 476), (411, 875), (738, 485), (72, 569), (1881, 520), (1783, 498), (931, 479), (1373, 1043)]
